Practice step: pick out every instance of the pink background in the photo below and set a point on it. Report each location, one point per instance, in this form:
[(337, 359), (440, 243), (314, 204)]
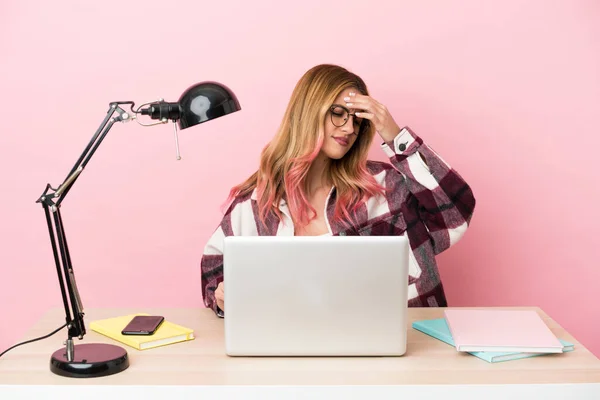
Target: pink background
[(508, 93)]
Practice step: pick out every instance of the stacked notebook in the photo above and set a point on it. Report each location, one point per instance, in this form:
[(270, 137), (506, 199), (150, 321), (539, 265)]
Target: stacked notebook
[(167, 333), (495, 335)]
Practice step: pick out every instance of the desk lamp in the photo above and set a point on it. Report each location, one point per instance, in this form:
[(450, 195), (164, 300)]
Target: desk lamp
[(199, 103)]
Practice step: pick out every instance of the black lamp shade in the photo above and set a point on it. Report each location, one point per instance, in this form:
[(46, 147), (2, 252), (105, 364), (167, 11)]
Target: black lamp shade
[(205, 101)]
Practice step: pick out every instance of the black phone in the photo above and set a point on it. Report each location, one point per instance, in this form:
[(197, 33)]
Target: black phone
[(143, 325)]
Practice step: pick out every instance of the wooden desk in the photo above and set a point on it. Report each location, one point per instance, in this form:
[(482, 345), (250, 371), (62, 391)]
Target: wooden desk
[(430, 367)]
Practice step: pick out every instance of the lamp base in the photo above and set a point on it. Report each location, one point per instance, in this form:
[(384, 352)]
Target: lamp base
[(90, 360)]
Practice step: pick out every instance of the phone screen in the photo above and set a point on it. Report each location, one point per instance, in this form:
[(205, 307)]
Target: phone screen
[(143, 325)]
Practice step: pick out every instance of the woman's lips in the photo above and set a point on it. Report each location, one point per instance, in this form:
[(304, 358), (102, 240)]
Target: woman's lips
[(341, 141)]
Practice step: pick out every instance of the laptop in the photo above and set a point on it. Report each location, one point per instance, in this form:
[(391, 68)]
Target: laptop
[(315, 295)]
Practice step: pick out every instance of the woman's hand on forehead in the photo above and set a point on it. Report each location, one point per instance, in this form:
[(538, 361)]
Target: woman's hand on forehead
[(368, 108)]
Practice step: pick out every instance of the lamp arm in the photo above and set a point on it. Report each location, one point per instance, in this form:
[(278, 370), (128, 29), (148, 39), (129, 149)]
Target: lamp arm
[(51, 200), (93, 145)]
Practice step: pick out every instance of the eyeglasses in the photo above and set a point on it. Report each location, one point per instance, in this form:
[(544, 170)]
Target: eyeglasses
[(340, 115)]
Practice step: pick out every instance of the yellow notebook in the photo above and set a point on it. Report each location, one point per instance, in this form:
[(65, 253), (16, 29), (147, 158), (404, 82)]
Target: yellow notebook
[(167, 333)]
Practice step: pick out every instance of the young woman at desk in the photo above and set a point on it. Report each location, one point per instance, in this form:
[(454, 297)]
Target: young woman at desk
[(314, 179)]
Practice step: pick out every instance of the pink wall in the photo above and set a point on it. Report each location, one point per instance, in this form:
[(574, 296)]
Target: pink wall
[(508, 93)]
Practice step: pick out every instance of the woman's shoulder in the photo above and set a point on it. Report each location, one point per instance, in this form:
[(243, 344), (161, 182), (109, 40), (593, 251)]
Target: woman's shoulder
[(240, 200)]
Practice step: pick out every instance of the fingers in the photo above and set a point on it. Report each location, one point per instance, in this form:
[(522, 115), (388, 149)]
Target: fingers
[(365, 103), (366, 115), (220, 296), (359, 98), (220, 292)]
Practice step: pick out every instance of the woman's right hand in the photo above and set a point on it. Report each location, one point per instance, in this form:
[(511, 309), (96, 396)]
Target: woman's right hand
[(220, 296)]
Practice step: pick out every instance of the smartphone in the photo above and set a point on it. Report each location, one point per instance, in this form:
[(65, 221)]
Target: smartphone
[(143, 325)]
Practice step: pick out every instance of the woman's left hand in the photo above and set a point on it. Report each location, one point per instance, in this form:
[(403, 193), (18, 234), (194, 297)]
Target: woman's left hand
[(374, 111)]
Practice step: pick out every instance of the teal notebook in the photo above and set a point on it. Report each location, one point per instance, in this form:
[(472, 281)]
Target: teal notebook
[(438, 329)]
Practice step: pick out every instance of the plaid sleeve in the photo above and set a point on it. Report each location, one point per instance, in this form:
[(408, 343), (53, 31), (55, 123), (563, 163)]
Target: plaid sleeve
[(211, 269), (445, 201), (238, 220), (211, 264)]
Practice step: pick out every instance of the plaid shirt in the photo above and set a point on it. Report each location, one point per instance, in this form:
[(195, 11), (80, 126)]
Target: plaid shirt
[(428, 201)]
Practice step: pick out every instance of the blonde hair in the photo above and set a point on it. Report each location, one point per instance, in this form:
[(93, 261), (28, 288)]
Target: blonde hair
[(285, 161)]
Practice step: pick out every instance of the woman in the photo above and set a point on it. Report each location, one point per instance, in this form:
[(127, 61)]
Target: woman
[(314, 179)]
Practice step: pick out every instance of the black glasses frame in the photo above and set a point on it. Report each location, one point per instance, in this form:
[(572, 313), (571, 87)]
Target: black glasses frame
[(345, 109), (363, 123)]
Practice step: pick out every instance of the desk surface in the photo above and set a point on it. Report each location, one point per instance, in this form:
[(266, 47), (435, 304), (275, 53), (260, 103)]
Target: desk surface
[(203, 361)]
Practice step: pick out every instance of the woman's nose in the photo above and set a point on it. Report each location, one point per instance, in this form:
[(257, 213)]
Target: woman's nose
[(349, 125)]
